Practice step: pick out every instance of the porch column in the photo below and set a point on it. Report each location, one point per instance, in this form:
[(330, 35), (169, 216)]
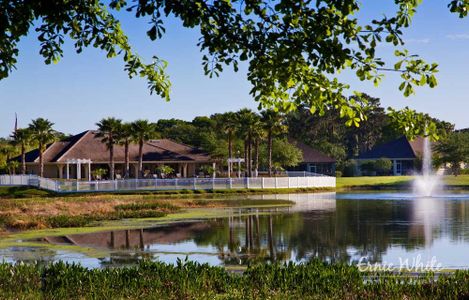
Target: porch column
[(394, 167), (214, 166), (89, 170), (78, 170), (184, 170), (180, 170), (239, 168), (68, 170), (61, 171), (136, 170)]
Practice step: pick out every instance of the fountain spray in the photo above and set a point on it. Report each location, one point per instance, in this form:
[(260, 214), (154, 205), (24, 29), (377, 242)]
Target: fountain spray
[(428, 182)]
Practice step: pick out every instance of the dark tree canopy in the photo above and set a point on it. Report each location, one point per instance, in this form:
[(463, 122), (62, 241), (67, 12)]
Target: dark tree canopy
[(294, 49)]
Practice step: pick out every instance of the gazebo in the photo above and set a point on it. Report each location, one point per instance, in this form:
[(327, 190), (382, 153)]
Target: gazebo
[(79, 163)]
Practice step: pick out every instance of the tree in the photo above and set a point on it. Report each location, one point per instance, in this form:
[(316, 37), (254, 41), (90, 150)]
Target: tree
[(12, 167), (364, 138), (142, 131), (43, 134), (285, 154), (108, 131), (22, 138), (228, 125), (125, 138), (453, 150), (258, 134), (383, 166), (7, 151), (248, 123), (293, 48), (272, 121), (164, 170)]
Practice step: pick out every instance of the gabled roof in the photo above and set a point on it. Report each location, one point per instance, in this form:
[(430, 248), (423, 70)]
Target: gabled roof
[(87, 145), (311, 155), (399, 148)]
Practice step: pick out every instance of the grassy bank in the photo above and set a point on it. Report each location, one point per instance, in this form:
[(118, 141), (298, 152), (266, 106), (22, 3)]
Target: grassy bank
[(87, 210), (28, 192), (373, 181), (383, 182), (187, 280)]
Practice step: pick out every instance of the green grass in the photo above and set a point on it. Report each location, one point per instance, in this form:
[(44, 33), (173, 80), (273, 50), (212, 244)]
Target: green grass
[(190, 280), (22, 192), (395, 181), (370, 181), (461, 180), (29, 192)]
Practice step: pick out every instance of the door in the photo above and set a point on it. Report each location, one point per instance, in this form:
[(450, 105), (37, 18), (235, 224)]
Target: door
[(398, 167)]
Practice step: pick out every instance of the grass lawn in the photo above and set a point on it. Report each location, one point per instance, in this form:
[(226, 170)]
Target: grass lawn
[(364, 181), (390, 181)]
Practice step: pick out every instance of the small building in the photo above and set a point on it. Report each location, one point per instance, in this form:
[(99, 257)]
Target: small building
[(403, 153), (77, 156), (313, 160)]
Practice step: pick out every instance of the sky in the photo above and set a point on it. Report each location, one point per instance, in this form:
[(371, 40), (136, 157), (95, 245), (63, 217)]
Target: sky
[(84, 88)]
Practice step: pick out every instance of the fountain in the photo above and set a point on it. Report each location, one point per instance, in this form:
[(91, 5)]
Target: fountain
[(426, 184)]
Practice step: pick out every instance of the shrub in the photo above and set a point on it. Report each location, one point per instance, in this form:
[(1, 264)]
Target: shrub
[(383, 166), (350, 168)]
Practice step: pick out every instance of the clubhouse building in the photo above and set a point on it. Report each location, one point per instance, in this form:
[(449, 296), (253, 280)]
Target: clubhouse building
[(78, 156)]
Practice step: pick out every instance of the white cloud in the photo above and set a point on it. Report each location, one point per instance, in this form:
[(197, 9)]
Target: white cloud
[(459, 36), (417, 41)]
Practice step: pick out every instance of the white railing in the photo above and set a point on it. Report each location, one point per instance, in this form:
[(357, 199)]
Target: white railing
[(302, 174), (19, 180), (168, 184)]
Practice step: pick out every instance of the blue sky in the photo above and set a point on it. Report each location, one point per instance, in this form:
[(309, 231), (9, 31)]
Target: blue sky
[(83, 88)]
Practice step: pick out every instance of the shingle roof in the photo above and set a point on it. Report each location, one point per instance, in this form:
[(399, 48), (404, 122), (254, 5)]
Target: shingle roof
[(311, 155), (399, 148), (87, 145)]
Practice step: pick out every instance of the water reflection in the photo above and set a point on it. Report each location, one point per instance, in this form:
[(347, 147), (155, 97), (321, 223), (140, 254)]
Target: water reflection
[(326, 226)]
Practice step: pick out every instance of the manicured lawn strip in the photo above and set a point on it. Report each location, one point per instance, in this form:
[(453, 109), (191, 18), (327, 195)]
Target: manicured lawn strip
[(370, 181), (461, 180), (189, 280), (377, 182)]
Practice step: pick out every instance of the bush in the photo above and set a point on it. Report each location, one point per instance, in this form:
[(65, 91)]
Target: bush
[(338, 174), (380, 166), (383, 166), (350, 168)]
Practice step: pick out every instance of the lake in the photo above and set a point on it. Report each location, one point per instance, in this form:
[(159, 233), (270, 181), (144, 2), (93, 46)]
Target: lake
[(385, 228)]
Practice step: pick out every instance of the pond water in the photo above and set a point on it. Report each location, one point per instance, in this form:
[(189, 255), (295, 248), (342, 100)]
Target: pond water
[(385, 228)]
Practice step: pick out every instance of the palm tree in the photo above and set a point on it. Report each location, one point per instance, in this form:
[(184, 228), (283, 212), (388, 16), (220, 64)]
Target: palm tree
[(22, 138), (258, 134), (272, 122), (228, 124), (142, 131), (108, 130), (43, 134), (125, 138), (248, 122), (7, 150)]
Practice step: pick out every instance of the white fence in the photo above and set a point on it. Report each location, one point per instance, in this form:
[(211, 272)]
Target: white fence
[(168, 184)]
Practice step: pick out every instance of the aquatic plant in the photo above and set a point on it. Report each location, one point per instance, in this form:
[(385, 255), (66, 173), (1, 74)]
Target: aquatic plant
[(191, 280)]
